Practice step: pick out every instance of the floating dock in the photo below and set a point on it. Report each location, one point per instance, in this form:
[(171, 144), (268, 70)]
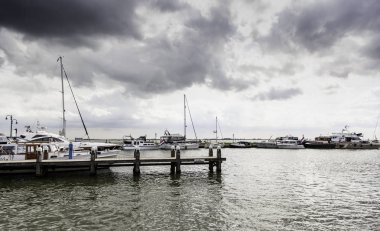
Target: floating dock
[(41, 167)]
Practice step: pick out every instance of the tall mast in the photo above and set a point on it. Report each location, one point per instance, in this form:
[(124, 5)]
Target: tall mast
[(216, 130), (63, 132), (184, 115)]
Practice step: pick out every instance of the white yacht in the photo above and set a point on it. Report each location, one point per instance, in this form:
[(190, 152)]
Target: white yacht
[(289, 142), (141, 143)]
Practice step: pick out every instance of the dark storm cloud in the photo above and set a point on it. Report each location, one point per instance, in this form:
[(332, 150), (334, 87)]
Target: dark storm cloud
[(167, 64), (152, 64), (278, 94), (319, 26), (70, 19)]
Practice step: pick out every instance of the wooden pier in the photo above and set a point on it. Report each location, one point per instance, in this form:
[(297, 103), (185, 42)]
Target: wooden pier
[(41, 167)]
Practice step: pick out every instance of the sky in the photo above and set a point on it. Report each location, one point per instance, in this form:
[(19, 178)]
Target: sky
[(264, 68)]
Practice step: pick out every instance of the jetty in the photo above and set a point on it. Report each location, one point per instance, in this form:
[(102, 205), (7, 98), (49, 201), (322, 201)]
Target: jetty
[(41, 166)]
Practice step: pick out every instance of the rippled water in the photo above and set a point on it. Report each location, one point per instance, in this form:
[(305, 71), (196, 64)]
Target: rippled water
[(258, 189)]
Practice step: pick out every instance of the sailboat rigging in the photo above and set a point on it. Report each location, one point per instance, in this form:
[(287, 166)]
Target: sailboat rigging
[(168, 140), (63, 132), (191, 118), (217, 125)]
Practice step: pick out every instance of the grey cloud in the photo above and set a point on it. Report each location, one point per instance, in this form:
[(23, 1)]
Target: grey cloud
[(148, 66), (71, 19), (165, 64), (331, 89), (167, 5), (278, 94), (288, 68), (318, 26)]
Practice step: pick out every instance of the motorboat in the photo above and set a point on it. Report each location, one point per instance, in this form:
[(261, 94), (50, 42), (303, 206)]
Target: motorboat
[(320, 142), (140, 143), (241, 144), (26, 151), (266, 144), (3, 139), (289, 142), (342, 140)]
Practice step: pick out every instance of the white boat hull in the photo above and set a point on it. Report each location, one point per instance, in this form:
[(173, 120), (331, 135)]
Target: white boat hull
[(183, 146), (150, 147), (285, 146)]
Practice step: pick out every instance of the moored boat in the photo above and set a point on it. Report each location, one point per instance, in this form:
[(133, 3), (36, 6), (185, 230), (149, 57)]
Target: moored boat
[(139, 143), (320, 142), (241, 144)]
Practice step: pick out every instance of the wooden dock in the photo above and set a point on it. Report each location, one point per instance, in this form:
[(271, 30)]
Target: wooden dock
[(41, 167)]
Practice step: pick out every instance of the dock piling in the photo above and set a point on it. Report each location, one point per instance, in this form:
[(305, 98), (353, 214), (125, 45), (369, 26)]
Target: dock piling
[(178, 160), (136, 163), (172, 164), (39, 170), (93, 164), (210, 154), (219, 159)]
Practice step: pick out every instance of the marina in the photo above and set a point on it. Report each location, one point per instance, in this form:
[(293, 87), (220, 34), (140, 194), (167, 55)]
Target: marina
[(189, 115), (41, 164), (257, 189)]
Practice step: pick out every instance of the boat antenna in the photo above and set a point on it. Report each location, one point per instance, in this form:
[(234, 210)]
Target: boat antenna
[(191, 118), (80, 114), (63, 132)]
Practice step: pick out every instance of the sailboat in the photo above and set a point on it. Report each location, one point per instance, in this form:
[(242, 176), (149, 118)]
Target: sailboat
[(41, 134), (217, 143), (168, 140)]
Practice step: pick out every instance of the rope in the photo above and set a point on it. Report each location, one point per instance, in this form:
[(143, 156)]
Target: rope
[(188, 108), (80, 114)]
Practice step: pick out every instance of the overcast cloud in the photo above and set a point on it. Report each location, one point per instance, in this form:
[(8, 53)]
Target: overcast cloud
[(130, 63)]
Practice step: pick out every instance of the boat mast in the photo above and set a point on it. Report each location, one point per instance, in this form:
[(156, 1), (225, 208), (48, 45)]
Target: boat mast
[(184, 115), (216, 130), (63, 132)]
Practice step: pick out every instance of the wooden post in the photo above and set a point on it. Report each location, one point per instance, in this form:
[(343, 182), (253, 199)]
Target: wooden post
[(211, 163), (219, 161), (39, 170), (136, 164), (172, 164), (93, 164), (178, 160)]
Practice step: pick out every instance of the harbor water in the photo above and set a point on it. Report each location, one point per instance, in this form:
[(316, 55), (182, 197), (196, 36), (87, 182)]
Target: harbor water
[(258, 189)]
